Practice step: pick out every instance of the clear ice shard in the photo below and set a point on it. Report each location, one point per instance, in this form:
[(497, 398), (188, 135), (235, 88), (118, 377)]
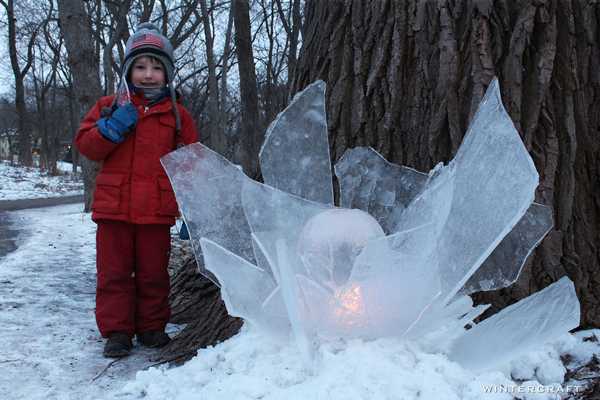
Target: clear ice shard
[(503, 266), (294, 157), (487, 188), (520, 328), (209, 193), (248, 291), (397, 259), (295, 302), (370, 183)]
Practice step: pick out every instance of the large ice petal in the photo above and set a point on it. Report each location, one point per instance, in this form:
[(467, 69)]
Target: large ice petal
[(522, 327), (370, 183), (295, 303), (209, 193), (503, 266), (491, 184), (248, 291), (295, 154)]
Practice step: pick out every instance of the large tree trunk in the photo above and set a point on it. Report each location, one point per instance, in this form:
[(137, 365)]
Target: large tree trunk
[(406, 78), (75, 26), (252, 132)]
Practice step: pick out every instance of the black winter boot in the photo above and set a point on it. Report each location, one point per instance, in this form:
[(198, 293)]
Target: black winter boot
[(153, 338), (118, 345)]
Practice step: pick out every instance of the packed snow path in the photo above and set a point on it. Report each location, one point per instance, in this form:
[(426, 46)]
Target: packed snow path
[(49, 344)]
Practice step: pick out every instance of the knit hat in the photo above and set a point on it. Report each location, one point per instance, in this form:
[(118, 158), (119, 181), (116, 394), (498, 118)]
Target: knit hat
[(148, 41)]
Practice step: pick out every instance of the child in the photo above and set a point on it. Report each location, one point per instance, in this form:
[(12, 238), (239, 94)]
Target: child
[(134, 205)]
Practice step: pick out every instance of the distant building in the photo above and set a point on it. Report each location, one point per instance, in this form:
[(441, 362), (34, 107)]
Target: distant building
[(9, 144)]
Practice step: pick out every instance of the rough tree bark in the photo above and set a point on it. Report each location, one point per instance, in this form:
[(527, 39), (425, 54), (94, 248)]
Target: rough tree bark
[(251, 129), (406, 77), (75, 26)]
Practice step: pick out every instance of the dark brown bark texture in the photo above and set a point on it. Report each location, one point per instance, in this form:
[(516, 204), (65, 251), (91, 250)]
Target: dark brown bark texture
[(405, 77), (251, 129), (195, 301)]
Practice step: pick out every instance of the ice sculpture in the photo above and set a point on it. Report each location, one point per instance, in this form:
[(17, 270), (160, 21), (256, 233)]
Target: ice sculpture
[(396, 259)]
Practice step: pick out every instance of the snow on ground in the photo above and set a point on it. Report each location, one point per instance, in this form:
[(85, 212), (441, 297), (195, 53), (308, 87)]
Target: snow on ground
[(32, 183), (49, 345), (248, 367), (50, 348)]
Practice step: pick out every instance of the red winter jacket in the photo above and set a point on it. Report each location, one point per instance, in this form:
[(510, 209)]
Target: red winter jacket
[(132, 184)]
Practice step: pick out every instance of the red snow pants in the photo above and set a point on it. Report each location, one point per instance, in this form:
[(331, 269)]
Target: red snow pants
[(133, 282)]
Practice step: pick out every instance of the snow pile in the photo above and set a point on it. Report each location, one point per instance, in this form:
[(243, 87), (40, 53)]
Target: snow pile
[(248, 366), (33, 183)]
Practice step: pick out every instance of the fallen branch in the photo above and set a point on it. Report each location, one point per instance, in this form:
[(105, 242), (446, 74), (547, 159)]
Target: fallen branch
[(105, 369)]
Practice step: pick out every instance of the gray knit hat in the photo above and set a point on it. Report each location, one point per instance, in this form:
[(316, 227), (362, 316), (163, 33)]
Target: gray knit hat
[(148, 41)]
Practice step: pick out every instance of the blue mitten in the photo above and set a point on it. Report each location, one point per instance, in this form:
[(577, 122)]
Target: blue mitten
[(123, 120)]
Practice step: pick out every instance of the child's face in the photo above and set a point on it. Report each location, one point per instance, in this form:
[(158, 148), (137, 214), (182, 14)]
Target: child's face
[(147, 72)]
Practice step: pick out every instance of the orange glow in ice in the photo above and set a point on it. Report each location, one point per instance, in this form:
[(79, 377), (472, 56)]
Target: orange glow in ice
[(351, 308)]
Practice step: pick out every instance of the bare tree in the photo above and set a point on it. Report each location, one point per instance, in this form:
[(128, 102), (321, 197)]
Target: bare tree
[(406, 78), (213, 88), (75, 26), (119, 16), (252, 130), (224, 89), (273, 62), (20, 73), (44, 80), (292, 23), (66, 79)]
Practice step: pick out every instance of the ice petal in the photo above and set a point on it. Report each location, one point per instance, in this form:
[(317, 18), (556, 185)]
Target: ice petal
[(248, 291), (394, 279), (520, 328), (273, 214), (295, 154), (370, 183), (208, 189), (295, 303), (479, 197), (503, 266)]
